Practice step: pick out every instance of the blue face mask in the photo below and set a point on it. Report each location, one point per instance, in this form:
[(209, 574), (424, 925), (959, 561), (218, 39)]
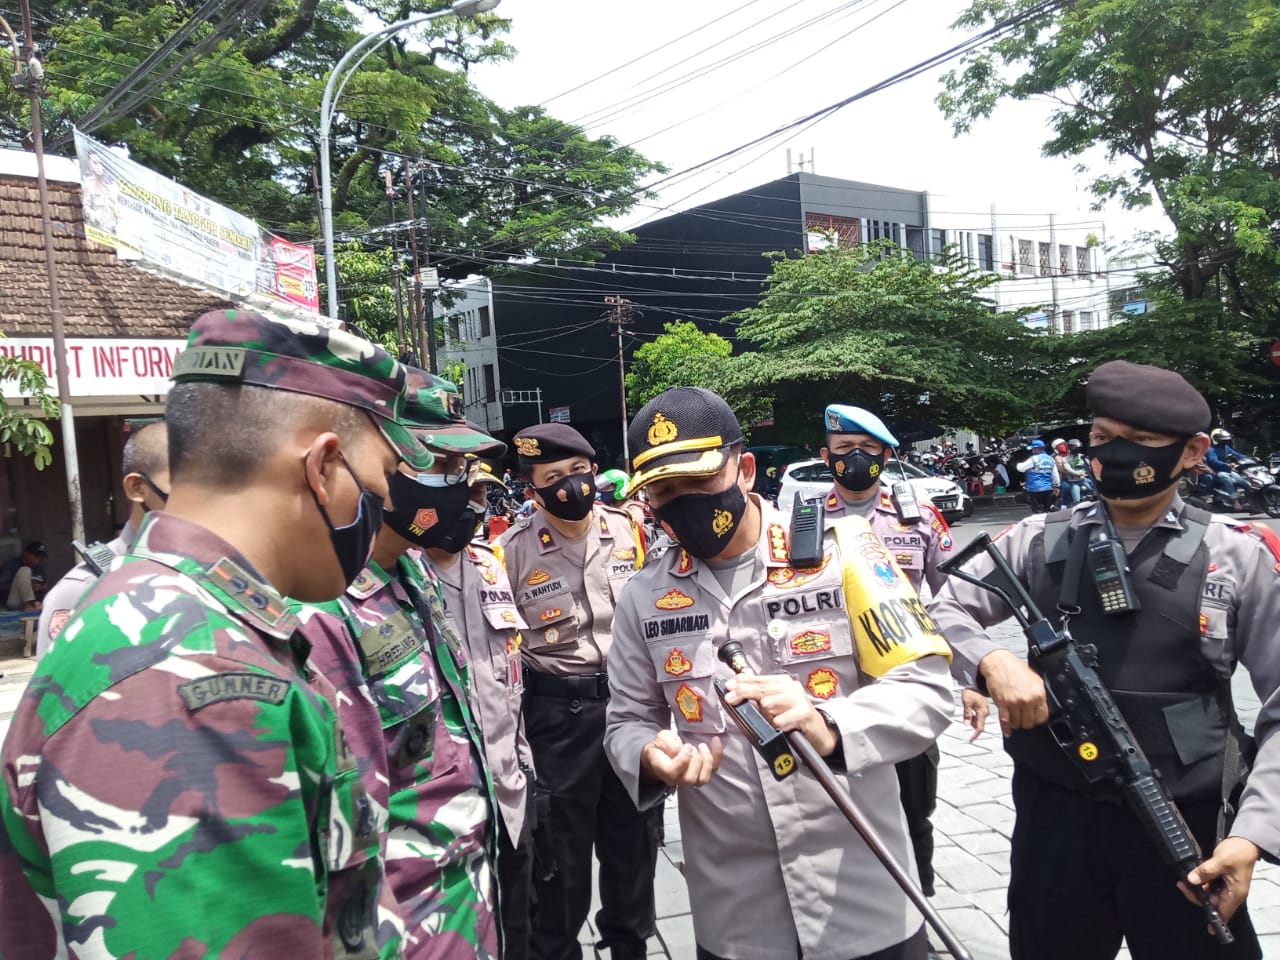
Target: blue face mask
[(353, 543)]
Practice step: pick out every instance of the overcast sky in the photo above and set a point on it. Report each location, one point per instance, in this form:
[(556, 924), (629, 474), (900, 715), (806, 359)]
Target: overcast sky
[(897, 137)]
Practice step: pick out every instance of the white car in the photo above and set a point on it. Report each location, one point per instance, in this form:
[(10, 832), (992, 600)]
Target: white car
[(812, 478)]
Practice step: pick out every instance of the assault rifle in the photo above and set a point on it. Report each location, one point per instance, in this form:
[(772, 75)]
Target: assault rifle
[(1086, 723)]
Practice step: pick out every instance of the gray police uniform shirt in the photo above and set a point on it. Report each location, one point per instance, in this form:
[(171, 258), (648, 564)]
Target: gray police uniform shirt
[(772, 864), (479, 603), (918, 547), (60, 602), (1240, 611), (566, 589)]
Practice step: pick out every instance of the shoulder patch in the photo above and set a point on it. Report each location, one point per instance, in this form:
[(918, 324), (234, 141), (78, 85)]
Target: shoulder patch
[(236, 685)]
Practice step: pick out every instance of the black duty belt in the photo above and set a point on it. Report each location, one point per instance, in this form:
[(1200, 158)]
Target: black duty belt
[(587, 686)]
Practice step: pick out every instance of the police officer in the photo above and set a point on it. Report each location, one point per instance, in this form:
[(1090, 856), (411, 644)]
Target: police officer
[(774, 871), (176, 778), (1084, 874), (857, 444), (388, 646), (146, 485), (568, 564)]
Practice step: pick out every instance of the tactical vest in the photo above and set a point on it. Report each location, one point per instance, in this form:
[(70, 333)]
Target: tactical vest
[(1178, 707)]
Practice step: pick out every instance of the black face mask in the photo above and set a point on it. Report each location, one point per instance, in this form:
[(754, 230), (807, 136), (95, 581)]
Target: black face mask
[(353, 543), (1125, 470), (704, 523), (464, 529), (569, 498), (425, 515), (857, 470)]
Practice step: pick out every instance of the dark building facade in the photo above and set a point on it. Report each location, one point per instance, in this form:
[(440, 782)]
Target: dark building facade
[(703, 265)]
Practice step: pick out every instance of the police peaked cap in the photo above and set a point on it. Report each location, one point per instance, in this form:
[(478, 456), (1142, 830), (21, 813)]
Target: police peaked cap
[(682, 432), (843, 418), (1149, 398), (549, 442)]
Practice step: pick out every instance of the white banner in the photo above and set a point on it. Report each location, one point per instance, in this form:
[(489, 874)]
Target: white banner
[(145, 216), (99, 368)]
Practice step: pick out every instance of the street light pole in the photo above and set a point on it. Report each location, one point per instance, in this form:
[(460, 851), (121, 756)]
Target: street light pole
[(70, 457), (338, 78)]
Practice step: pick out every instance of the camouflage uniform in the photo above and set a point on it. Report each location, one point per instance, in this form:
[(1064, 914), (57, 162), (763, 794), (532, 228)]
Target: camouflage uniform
[(426, 743), (175, 781)]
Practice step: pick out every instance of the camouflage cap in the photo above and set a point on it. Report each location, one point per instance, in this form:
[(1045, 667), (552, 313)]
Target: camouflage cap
[(241, 346), (433, 413)]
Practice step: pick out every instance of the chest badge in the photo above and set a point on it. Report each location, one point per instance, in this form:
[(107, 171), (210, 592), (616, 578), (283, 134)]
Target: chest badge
[(552, 635), (822, 683), (551, 614), (677, 664), (689, 703), (810, 642), (1204, 624), (537, 577), (674, 600)]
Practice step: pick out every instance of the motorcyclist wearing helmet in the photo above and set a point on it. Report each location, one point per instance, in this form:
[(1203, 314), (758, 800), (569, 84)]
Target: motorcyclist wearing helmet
[(1070, 475), (611, 490), (1221, 458)]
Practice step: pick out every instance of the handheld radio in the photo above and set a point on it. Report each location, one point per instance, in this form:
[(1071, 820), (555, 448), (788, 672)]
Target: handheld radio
[(97, 556), (806, 532), (1110, 568), (904, 495)]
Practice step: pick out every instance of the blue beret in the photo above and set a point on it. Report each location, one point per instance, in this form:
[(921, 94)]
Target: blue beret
[(842, 418)]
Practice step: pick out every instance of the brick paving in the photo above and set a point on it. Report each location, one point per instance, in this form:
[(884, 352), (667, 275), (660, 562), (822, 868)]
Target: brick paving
[(972, 825)]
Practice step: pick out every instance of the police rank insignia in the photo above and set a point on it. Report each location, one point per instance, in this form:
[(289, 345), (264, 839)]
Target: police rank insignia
[(822, 683), (528, 447), (673, 600), (778, 543), (685, 563), (662, 430), (689, 702), (810, 642), (677, 663), (544, 535)]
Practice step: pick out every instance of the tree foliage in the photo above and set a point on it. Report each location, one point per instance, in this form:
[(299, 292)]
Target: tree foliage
[(30, 435), (913, 338), (1182, 97), (240, 123)]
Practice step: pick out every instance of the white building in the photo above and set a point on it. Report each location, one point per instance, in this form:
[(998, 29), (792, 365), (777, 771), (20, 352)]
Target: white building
[(1056, 277), (471, 337)]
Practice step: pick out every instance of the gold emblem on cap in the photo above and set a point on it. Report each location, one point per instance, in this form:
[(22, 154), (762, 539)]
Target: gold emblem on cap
[(528, 447), (722, 522), (1144, 474), (662, 430)]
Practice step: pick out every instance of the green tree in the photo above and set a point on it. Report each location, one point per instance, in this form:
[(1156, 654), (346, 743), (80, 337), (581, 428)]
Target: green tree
[(912, 338), (239, 123), (30, 435), (1181, 97)]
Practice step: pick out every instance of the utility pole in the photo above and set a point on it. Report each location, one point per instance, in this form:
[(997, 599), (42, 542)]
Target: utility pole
[(620, 315), (1054, 260), (433, 359), (395, 257), (415, 311), (34, 74)]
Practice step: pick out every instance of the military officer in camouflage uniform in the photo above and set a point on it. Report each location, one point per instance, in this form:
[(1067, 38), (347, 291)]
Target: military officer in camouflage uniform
[(481, 609), (175, 781), (774, 870), (568, 564), (857, 444), (388, 646)]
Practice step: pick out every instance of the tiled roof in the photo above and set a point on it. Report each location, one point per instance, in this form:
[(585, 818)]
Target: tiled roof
[(102, 296)]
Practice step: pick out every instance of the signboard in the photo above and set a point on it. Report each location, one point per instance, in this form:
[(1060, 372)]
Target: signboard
[(1135, 307), (558, 414), (287, 271), (1036, 321), (100, 368), (145, 216), (1275, 353)]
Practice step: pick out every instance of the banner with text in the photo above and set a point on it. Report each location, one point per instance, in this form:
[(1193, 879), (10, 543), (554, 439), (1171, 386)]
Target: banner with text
[(287, 271), (100, 368)]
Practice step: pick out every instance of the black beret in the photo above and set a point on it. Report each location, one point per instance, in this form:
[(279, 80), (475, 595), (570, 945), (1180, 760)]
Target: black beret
[(1147, 397), (548, 442)]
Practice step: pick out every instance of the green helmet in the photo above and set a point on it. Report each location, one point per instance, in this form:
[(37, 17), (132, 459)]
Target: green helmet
[(618, 480)]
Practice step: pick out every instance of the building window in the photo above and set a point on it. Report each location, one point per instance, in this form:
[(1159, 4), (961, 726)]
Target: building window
[(454, 332), (490, 384), (1084, 321), (1068, 322), (1082, 261), (986, 256), (1064, 259), (1044, 260), (484, 322), (1024, 256), (915, 241)]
